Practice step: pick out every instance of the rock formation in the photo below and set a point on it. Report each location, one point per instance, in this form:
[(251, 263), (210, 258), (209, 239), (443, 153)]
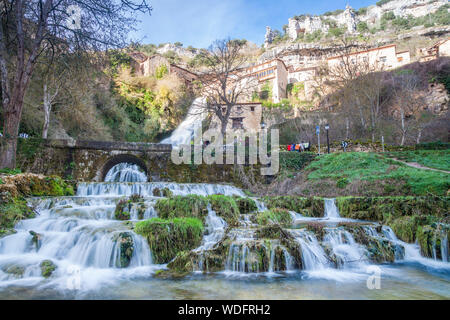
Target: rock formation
[(269, 37)]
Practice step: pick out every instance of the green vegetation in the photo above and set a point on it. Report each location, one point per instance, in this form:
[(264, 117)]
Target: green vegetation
[(362, 27), (189, 206), (11, 212), (47, 268), (194, 206), (167, 238), (226, 208), (373, 167), (246, 205), (308, 207), (382, 2), (14, 190), (437, 159), (296, 161), (276, 216)]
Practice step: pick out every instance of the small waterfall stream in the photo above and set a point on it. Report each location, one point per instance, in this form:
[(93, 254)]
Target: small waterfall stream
[(187, 129), (81, 233)]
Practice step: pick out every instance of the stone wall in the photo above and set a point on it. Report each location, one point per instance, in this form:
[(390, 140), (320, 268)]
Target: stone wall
[(87, 161)]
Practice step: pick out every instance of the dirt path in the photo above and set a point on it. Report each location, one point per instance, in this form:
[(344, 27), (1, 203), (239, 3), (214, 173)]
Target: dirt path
[(419, 166)]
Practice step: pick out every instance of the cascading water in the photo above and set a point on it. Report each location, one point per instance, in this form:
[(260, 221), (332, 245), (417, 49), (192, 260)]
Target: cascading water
[(148, 189), (81, 233), (187, 129), (331, 210), (126, 172)]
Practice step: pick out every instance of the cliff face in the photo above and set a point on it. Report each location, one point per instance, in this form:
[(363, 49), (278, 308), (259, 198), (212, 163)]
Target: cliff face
[(349, 18)]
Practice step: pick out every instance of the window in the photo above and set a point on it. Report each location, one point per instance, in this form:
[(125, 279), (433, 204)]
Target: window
[(252, 109), (238, 123), (239, 109), (383, 59)]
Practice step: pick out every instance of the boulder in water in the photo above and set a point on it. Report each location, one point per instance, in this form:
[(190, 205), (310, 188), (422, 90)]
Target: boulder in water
[(126, 243), (14, 270), (47, 268)]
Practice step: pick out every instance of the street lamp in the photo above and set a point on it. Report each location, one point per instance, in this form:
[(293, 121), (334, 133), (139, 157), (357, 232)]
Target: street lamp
[(327, 127)]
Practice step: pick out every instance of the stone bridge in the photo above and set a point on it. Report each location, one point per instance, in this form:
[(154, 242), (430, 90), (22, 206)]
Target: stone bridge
[(90, 161)]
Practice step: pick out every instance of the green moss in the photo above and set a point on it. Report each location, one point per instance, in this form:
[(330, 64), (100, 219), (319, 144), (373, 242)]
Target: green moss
[(291, 203), (122, 211), (246, 205), (382, 208), (429, 238), (226, 208), (189, 206), (276, 216), (11, 212), (47, 268), (166, 193), (126, 243), (167, 238), (405, 228)]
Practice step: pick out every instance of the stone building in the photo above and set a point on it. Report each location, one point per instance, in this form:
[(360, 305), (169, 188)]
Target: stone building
[(244, 116), (145, 66), (439, 49), (381, 58), (273, 72)]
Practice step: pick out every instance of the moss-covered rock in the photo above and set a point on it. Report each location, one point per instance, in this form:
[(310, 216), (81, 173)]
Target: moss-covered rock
[(277, 216), (246, 205), (166, 193), (167, 238), (122, 211), (405, 228), (291, 203), (47, 268), (433, 239), (226, 208), (11, 212), (191, 206), (380, 208), (126, 243), (15, 270)]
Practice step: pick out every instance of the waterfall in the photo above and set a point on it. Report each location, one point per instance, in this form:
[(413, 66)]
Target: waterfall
[(193, 122), (126, 172), (345, 248), (215, 230), (147, 189), (313, 255), (331, 210)]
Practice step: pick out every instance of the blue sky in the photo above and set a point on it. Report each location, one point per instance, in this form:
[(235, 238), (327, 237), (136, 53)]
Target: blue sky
[(200, 22)]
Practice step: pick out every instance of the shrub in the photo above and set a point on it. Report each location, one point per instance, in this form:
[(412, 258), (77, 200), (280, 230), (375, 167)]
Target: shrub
[(342, 183)]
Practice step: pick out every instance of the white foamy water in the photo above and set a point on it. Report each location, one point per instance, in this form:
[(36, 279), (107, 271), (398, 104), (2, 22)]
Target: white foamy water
[(188, 128)]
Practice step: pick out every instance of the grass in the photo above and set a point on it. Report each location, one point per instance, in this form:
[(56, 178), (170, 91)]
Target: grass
[(436, 159), (374, 167)]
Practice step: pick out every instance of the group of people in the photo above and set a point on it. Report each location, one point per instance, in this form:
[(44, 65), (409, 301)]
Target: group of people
[(302, 147)]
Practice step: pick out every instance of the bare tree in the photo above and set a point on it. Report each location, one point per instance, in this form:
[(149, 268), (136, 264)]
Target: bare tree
[(226, 82), (356, 83), (30, 28)]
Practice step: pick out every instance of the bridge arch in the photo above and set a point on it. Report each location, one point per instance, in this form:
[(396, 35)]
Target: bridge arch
[(122, 158)]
